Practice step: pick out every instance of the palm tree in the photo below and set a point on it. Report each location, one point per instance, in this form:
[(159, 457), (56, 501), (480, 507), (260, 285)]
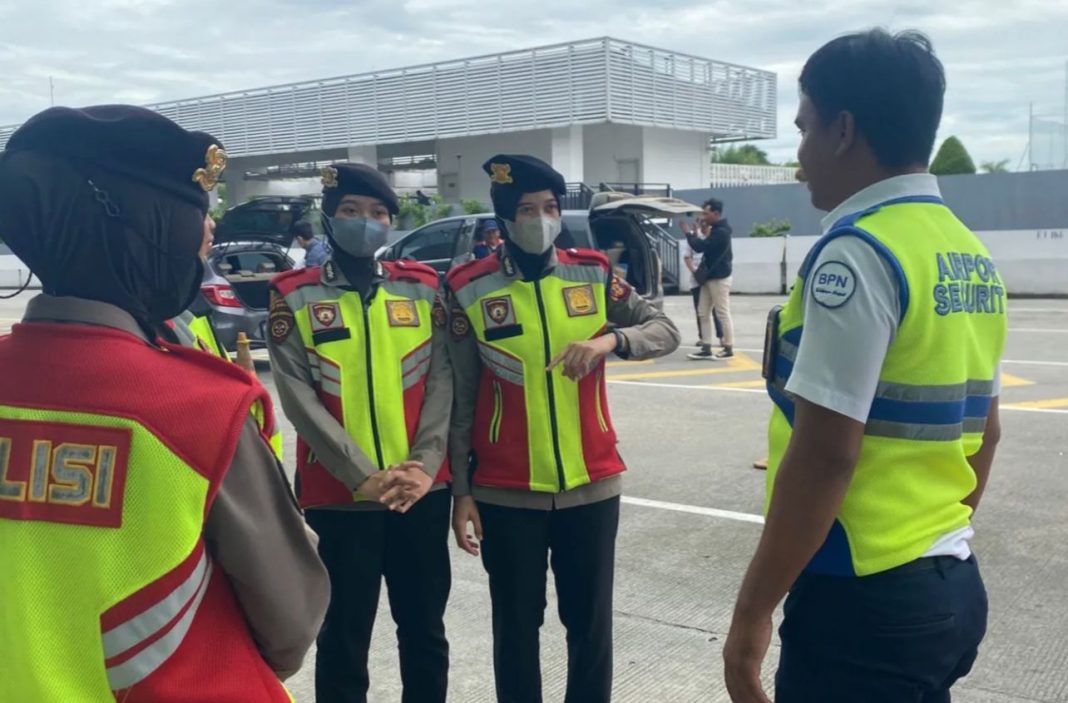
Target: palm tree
[(995, 166)]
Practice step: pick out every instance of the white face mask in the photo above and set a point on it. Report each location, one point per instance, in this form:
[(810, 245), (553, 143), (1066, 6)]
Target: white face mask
[(535, 236)]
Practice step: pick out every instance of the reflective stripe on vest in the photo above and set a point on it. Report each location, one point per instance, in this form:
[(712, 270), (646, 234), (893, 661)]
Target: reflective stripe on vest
[(535, 430), (934, 393)]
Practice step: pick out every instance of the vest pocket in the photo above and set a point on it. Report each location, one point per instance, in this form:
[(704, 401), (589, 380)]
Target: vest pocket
[(495, 422)]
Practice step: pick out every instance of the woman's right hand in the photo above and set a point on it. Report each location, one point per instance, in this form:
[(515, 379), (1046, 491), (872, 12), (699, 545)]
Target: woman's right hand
[(465, 511)]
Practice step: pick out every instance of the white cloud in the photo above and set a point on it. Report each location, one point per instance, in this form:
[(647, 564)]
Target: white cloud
[(999, 56)]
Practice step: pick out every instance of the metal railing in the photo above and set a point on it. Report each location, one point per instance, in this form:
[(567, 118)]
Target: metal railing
[(578, 197), (584, 82), (657, 189)]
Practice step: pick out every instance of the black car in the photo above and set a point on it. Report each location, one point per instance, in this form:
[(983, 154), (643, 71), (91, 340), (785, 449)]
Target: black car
[(253, 244)]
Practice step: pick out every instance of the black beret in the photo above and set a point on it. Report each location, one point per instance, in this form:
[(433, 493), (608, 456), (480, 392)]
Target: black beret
[(340, 180), (130, 141), (513, 175)]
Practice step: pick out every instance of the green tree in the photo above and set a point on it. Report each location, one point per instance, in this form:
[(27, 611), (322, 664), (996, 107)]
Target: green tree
[(472, 206), (772, 228), (220, 207), (952, 159), (995, 166), (745, 154)]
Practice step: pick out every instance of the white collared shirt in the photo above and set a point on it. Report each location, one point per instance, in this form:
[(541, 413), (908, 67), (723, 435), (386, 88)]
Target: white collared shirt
[(844, 344)]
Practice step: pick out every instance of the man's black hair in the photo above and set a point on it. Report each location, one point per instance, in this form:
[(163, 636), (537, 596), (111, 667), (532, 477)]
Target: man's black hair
[(713, 205), (892, 84)]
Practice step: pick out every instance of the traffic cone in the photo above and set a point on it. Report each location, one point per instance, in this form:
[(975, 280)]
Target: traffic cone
[(244, 354)]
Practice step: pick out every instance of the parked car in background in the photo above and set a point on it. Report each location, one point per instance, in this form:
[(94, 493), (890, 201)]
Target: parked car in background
[(253, 244)]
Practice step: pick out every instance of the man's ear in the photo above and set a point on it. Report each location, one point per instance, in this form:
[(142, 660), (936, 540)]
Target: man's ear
[(845, 125)]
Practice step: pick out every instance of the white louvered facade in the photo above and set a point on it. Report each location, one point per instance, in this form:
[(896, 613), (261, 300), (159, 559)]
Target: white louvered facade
[(587, 82)]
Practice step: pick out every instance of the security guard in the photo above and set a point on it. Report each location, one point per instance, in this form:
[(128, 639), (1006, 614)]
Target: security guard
[(530, 328), (152, 550), (361, 363), (883, 369)]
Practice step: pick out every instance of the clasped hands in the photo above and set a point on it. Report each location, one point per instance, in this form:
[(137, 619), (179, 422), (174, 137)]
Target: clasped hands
[(399, 488)]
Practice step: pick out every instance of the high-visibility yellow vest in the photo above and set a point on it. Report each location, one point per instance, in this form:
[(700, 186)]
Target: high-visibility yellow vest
[(369, 363), (537, 430), (934, 393), (107, 589)]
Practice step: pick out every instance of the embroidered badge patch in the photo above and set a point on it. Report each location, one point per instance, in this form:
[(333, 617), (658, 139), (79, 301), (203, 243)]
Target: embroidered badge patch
[(280, 318), (833, 284), (438, 314), (402, 313), (580, 301), (460, 325), (325, 316), (619, 290), (498, 312)]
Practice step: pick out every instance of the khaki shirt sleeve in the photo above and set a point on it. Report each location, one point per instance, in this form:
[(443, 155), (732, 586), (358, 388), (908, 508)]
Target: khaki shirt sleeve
[(649, 333), (466, 370), (332, 445), (432, 434), (258, 537)]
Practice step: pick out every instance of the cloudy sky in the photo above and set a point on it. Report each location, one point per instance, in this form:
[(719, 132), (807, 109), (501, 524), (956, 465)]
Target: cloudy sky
[(1000, 56)]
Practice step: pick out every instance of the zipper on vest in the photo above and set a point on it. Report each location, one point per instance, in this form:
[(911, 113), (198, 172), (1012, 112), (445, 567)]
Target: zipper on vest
[(600, 413), (549, 384), (495, 423), (371, 386)]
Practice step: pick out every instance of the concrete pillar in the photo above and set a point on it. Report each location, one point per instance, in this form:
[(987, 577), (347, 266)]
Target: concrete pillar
[(366, 154), (568, 153), (238, 190)]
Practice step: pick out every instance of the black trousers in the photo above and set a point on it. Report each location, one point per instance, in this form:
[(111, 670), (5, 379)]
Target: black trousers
[(412, 552), (696, 293), (904, 636), (517, 547)]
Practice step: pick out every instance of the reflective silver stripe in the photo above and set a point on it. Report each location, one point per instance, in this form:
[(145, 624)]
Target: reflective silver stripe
[(481, 287), (502, 365), (407, 289), (580, 274), (330, 373), (136, 630), (416, 358), (787, 350), (506, 374), (913, 431), (981, 387), (927, 394), (331, 387), (141, 665), (974, 425), (416, 375)]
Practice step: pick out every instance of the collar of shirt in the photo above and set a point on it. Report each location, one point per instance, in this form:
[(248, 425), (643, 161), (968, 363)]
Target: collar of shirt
[(909, 185), (511, 270), (67, 309)]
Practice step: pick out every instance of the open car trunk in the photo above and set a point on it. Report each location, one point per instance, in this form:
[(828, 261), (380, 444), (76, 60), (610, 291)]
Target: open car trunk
[(250, 272), (621, 238)]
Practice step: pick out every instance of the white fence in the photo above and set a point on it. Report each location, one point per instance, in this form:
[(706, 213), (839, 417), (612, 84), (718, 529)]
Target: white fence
[(1031, 262), (728, 175)]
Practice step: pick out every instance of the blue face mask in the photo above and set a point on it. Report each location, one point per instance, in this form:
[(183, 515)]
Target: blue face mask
[(359, 237)]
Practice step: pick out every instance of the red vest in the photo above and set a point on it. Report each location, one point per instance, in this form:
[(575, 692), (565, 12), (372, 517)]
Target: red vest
[(390, 342), (174, 416)]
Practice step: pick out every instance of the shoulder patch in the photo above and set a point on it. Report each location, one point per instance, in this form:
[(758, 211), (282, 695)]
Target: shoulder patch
[(280, 320), (619, 290), (833, 284), (460, 326), (438, 314)]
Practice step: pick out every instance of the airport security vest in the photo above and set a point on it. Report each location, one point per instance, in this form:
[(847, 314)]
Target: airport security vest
[(536, 430), (369, 362), (934, 392), (112, 452)]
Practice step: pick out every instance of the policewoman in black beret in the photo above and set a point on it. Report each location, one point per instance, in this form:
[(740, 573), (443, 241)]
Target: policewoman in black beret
[(537, 473), (152, 547), (359, 353)]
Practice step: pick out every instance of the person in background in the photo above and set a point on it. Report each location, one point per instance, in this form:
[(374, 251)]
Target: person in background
[(883, 367), (491, 239), (162, 558), (316, 251), (716, 271), (423, 199), (693, 261)]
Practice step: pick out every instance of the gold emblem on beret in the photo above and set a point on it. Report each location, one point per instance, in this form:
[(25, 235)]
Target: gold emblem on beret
[(214, 165), (329, 179), (502, 174)]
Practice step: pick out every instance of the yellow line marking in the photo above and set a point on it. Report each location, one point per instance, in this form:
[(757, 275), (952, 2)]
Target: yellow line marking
[(740, 363), (1008, 380), (1039, 404), (613, 364), (759, 383)]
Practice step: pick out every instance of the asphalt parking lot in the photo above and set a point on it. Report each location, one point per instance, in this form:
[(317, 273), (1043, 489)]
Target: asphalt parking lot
[(690, 432)]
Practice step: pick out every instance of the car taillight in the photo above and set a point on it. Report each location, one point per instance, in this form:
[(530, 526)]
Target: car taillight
[(221, 296)]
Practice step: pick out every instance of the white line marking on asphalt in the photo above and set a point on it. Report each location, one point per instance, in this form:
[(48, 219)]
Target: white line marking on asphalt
[(694, 510), (1034, 363), (1036, 330)]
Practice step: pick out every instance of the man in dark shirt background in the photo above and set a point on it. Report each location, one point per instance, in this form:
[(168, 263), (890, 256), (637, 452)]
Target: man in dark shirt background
[(490, 240), (715, 277)]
